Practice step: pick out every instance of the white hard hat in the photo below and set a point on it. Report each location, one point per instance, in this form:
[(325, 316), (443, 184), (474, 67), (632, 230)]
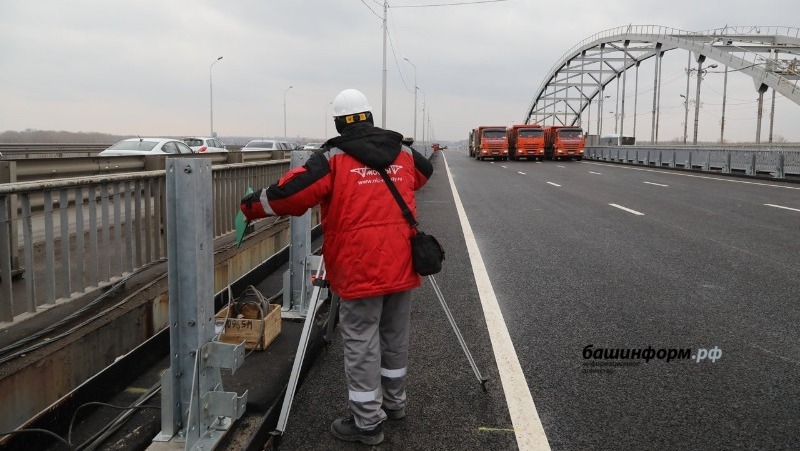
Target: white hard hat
[(350, 101)]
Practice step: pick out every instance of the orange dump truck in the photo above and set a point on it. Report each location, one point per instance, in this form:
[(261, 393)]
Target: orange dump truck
[(563, 142), (490, 142), (526, 141)]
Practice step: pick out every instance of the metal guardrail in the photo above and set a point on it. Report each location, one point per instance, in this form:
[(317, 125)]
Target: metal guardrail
[(777, 163), (90, 231)]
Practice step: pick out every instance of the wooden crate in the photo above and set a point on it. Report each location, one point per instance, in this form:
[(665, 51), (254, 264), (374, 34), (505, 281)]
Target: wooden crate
[(256, 333)]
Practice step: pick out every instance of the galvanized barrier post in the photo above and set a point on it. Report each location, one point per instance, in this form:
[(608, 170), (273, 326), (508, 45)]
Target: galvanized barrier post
[(780, 171), (689, 162), (627, 159), (297, 283), (707, 165), (659, 158), (727, 166), (751, 168), (193, 409), (647, 159), (672, 162), (637, 157)]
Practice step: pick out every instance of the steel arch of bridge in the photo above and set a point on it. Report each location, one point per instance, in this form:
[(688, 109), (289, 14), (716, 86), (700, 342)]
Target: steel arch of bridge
[(767, 54)]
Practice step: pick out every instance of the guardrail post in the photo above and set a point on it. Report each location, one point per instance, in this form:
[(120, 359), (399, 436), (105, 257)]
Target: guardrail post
[(626, 156), (8, 174), (751, 168), (660, 155), (672, 163), (637, 157), (707, 165), (7, 303), (689, 162), (618, 155), (779, 168), (647, 159), (194, 409), (726, 168)]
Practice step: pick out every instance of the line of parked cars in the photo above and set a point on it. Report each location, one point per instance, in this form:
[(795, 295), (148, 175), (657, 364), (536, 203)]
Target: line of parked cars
[(169, 146)]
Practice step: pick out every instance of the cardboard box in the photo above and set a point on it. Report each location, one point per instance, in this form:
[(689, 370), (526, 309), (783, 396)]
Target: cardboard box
[(256, 333)]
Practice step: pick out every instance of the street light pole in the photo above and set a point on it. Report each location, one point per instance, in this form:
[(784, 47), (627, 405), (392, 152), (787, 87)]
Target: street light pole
[(211, 94), (284, 111), (415, 97), (383, 96)]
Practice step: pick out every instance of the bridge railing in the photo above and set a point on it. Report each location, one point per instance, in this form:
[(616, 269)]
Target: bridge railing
[(61, 239), (776, 163)]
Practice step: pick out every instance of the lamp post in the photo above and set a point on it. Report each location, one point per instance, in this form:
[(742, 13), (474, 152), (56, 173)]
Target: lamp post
[(415, 96), (284, 111), (211, 94)]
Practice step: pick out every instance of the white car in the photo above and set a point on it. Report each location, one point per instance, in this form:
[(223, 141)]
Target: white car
[(312, 146), (205, 145), (147, 146)]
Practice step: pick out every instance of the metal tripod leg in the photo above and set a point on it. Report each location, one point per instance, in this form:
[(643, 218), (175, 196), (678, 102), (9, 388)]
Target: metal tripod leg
[(301, 353), (477, 372), (334, 310)]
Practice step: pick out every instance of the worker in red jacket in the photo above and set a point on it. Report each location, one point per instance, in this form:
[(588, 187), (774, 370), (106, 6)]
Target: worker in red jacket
[(367, 254)]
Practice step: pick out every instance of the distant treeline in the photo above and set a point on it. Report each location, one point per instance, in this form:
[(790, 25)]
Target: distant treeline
[(57, 137)]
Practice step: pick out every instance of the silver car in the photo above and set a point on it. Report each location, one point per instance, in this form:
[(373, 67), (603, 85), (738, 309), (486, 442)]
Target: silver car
[(147, 146), (262, 145)]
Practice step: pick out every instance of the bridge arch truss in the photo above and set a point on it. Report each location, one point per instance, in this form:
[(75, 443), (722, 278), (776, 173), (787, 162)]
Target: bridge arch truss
[(581, 78)]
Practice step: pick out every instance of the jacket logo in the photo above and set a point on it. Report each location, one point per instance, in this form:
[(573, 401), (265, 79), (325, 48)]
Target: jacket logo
[(365, 171)]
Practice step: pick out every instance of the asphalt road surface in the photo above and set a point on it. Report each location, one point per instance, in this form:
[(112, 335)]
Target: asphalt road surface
[(555, 271)]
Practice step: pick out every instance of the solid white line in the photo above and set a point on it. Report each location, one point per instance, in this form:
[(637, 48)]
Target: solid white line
[(554, 184), (527, 425), (520, 173), (627, 209), (781, 206), (596, 173), (696, 176), (656, 184)]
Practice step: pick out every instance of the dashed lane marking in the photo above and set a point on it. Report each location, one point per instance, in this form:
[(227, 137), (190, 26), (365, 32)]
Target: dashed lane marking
[(595, 173), (554, 184), (681, 174), (781, 206), (518, 172), (656, 184), (637, 213), (528, 428)]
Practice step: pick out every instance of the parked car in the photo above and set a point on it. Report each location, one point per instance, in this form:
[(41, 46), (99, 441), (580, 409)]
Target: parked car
[(312, 146), (262, 145), (147, 146), (205, 145)]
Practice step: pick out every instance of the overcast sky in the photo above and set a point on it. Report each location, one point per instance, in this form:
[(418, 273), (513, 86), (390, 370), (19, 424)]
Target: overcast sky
[(141, 67)]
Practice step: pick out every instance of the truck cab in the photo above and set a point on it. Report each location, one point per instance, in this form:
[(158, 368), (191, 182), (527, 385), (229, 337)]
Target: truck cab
[(526, 141), (491, 142), (564, 142)]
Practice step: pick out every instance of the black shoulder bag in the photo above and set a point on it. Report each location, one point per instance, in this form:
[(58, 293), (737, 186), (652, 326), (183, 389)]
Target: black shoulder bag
[(426, 252)]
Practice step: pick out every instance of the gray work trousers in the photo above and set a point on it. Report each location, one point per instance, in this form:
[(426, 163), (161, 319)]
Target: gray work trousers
[(375, 336)]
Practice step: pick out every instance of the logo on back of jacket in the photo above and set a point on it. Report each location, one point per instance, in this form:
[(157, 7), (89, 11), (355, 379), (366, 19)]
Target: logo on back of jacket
[(370, 175)]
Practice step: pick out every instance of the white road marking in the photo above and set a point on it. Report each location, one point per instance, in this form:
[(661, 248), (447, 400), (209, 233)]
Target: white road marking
[(503, 166), (520, 173), (637, 213), (596, 173), (554, 184), (559, 166), (528, 428), (696, 176), (781, 206), (538, 162), (656, 184)]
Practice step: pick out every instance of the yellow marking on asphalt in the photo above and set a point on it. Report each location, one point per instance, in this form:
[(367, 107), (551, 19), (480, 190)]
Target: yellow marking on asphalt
[(136, 390)]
